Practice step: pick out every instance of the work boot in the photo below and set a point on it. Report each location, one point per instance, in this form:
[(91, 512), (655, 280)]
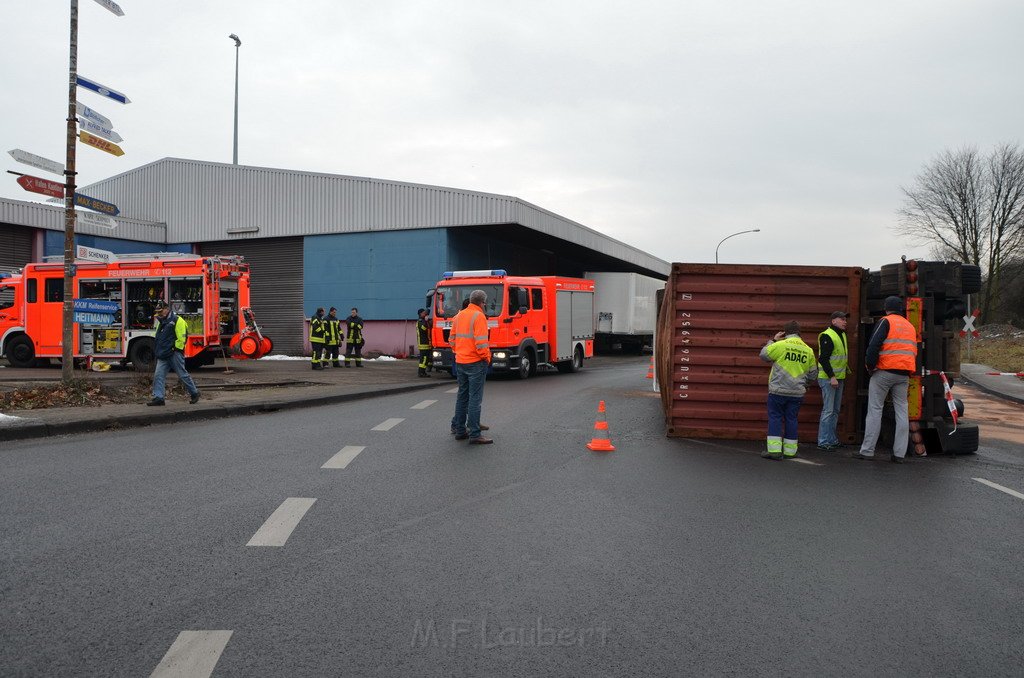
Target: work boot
[(155, 402), (194, 399), (776, 456), (359, 364), (336, 364), (346, 364), (479, 440), (422, 372)]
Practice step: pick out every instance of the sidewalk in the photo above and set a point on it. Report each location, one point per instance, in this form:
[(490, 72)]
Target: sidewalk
[(251, 387), (1006, 387)]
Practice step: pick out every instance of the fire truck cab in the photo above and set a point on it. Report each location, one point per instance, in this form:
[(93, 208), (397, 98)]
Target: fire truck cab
[(115, 304), (532, 320)]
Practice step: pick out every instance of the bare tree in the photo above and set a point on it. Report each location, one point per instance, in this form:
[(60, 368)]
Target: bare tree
[(970, 207)]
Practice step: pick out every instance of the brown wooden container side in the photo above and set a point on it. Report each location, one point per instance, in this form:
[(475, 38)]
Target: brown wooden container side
[(713, 323)]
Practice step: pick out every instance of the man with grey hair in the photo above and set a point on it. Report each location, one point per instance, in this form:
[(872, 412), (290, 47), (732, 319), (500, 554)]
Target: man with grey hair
[(472, 358)]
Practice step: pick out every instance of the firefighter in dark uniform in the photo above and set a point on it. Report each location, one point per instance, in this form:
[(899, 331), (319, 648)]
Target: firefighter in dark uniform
[(332, 338), (354, 339), (317, 327), (423, 340)]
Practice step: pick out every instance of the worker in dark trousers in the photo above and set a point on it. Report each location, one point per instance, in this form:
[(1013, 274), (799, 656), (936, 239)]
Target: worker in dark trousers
[(332, 338), (317, 328), (354, 339), (423, 340)]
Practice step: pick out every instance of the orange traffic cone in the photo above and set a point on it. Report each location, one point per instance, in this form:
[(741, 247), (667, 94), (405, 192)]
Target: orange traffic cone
[(650, 369), (601, 442)]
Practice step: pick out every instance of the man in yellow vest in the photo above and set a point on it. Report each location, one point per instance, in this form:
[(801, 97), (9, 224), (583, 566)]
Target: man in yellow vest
[(891, 358), (832, 367), (469, 339), (793, 366)]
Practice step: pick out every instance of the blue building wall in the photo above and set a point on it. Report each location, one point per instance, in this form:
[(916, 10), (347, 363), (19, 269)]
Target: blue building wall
[(384, 274), (54, 245)]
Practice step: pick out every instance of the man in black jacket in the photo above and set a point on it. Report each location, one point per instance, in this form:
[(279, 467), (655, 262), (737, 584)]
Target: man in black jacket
[(169, 350), (354, 339)]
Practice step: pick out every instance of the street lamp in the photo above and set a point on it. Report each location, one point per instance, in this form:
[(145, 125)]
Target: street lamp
[(238, 43), (754, 230)]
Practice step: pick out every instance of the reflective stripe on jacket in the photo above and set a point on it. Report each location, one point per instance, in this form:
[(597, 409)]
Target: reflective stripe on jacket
[(469, 336), (899, 348), (422, 333), (793, 364), (316, 330), (332, 331), (838, 361), (355, 330)]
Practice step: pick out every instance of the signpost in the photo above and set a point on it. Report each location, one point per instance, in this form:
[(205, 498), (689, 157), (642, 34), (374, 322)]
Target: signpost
[(96, 311), (100, 131), (37, 161), (92, 115), (93, 219), (38, 185), (103, 90), (92, 254), (112, 6), (97, 205), (101, 144)]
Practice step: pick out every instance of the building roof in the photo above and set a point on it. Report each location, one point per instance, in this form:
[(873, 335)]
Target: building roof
[(51, 218)]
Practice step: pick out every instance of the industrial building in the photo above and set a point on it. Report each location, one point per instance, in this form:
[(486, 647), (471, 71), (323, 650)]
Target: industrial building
[(322, 239)]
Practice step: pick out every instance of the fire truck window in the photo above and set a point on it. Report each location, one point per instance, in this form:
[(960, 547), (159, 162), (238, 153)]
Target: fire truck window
[(538, 298), (6, 297), (31, 294), (54, 290)]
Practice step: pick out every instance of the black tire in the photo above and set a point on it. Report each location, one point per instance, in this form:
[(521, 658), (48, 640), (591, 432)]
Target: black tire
[(573, 365), (20, 352), (970, 279), (142, 355), (526, 365)]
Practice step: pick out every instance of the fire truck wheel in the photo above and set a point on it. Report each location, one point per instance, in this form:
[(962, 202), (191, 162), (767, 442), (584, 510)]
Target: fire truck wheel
[(574, 365), (525, 364), (20, 352), (142, 355)]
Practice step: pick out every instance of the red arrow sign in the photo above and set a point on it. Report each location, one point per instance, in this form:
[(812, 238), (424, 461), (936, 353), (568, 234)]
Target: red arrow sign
[(44, 186)]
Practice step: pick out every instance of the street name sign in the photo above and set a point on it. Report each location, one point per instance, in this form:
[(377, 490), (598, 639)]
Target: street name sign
[(100, 131), (103, 90), (112, 6), (101, 144), (92, 254), (38, 185), (92, 219), (37, 161), (93, 115), (96, 305), (96, 205)]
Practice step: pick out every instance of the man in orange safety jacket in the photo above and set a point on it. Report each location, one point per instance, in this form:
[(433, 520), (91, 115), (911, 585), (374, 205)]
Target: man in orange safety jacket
[(473, 357)]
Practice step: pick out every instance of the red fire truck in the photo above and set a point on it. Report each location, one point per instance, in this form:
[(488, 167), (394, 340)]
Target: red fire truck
[(532, 320), (114, 306)]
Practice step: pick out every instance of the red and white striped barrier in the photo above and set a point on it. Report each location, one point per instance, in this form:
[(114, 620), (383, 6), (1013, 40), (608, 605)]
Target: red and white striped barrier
[(948, 393), (1005, 374)]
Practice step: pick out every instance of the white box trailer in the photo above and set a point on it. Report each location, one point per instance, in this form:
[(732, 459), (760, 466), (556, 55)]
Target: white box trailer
[(625, 310)]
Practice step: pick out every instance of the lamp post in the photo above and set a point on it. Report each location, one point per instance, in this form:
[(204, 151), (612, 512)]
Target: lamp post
[(238, 43), (753, 230)]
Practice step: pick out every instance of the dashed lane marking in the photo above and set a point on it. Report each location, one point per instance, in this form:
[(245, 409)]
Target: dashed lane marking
[(279, 525), (423, 405), (345, 457), (193, 654), (388, 424), (453, 390), (996, 486)]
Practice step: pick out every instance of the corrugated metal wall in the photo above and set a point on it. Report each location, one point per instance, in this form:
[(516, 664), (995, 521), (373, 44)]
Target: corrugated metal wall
[(713, 323), (276, 268), (15, 247), (51, 218)]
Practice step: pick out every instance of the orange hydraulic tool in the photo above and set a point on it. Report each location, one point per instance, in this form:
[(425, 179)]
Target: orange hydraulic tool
[(601, 442)]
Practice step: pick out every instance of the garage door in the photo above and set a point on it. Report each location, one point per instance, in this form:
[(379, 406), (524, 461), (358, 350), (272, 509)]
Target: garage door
[(276, 286), (15, 247)]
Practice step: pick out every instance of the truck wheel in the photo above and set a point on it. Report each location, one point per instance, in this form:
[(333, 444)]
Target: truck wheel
[(142, 354), (574, 365), (21, 352), (970, 279), (525, 364)]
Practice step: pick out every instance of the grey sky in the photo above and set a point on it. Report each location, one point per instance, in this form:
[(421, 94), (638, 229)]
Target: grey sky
[(667, 125)]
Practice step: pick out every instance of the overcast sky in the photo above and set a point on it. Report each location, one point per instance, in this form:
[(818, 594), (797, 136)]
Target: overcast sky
[(665, 124)]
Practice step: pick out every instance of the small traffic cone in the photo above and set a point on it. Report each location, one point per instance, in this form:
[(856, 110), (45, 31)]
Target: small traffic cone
[(601, 442), (650, 369)]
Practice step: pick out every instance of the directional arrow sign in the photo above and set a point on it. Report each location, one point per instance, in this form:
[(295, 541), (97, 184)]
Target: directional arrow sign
[(97, 205), (37, 161), (100, 131), (44, 186), (112, 6), (101, 144), (103, 90), (92, 115), (91, 219)]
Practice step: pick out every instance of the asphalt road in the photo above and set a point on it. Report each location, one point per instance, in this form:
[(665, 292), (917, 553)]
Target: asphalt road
[(421, 555)]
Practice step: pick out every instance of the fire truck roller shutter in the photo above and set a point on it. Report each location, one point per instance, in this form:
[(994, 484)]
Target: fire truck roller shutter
[(275, 290)]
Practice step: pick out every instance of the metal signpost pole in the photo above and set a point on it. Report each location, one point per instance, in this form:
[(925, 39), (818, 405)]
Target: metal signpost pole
[(67, 339), (238, 43)]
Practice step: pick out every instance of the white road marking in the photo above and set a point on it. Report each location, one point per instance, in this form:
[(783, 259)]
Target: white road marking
[(423, 405), (453, 390), (995, 486), (387, 424), (805, 461), (279, 525), (192, 655), (345, 457)]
